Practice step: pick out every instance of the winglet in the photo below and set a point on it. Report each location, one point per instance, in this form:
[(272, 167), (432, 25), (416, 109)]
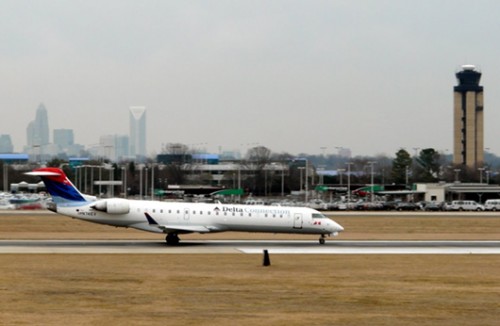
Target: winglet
[(151, 220)]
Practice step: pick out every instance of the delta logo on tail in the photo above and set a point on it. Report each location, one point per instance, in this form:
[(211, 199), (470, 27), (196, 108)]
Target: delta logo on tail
[(58, 185)]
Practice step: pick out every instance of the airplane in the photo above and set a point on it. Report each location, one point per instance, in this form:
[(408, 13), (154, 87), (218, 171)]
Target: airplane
[(174, 218)]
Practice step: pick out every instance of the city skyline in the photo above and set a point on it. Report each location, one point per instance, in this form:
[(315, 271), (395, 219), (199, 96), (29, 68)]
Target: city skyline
[(294, 76)]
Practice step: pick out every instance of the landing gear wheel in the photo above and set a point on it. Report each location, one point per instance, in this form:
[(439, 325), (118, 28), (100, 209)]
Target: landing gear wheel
[(322, 239), (172, 239)]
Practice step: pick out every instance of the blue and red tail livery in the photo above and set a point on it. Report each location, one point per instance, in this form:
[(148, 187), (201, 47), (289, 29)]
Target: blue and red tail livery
[(58, 185)]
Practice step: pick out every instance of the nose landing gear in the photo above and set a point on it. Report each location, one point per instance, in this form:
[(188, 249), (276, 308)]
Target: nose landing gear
[(322, 239)]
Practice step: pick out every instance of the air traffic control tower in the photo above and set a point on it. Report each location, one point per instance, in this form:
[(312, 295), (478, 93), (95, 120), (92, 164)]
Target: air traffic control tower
[(468, 133)]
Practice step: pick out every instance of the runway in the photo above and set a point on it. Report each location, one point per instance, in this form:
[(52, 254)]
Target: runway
[(246, 247)]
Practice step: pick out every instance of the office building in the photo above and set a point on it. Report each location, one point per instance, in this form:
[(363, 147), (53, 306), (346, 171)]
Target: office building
[(468, 134), (137, 132), (63, 137), (6, 144), (38, 129)]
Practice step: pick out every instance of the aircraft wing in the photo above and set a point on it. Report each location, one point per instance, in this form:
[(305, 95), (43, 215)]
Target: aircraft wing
[(182, 228)]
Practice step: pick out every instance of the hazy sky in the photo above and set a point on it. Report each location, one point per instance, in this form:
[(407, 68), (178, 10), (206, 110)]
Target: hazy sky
[(295, 76)]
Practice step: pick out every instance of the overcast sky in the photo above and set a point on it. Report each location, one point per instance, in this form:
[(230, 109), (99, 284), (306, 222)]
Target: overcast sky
[(295, 76)]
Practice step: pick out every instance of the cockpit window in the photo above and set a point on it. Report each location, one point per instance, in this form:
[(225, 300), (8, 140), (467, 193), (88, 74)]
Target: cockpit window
[(317, 215)]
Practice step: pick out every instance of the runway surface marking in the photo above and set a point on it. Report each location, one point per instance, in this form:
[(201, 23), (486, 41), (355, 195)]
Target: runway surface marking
[(247, 247)]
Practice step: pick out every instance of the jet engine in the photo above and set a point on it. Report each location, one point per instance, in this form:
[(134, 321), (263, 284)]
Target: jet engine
[(112, 206)]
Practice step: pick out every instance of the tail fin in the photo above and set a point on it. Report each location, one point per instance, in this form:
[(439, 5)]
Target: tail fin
[(59, 186)]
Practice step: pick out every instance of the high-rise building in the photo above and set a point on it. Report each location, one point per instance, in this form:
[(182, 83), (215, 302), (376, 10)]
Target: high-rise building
[(468, 134), (6, 144), (38, 129), (63, 137), (113, 147), (137, 131)]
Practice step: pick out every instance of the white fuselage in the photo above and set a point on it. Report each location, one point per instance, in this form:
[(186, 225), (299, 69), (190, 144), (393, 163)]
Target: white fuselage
[(186, 217)]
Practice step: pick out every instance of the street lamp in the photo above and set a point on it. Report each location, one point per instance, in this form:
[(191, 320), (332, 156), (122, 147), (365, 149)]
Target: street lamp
[(152, 181), (339, 171), (301, 168), (371, 163), (348, 183), (457, 171), (480, 174)]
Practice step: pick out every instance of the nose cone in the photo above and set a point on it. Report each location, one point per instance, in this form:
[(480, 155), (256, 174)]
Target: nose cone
[(335, 227)]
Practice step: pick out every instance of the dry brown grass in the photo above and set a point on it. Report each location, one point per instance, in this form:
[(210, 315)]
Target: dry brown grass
[(235, 289)]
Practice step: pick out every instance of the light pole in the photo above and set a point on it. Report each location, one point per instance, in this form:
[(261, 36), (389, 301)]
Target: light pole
[(152, 181), (282, 180), (146, 182), (339, 171), (300, 169), (481, 174), (307, 183), (348, 183), (371, 163), (124, 181), (457, 171), (140, 182), (5, 177)]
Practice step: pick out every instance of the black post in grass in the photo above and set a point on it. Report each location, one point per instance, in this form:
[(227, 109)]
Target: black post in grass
[(267, 260)]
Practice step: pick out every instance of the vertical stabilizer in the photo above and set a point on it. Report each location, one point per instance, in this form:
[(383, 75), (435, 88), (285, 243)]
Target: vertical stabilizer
[(59, 186)]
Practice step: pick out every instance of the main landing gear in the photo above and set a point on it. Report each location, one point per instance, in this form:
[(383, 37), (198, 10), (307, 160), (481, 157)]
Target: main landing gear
[(172, 239), (322, 239)]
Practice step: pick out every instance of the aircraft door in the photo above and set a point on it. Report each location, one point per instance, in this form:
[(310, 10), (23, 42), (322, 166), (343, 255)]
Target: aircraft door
[(186, 214), (297, 221)]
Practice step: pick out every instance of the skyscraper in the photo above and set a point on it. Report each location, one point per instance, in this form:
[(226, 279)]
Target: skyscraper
[(63, 137), (38, 129), (137, 131), (468, 134), (6, 144)]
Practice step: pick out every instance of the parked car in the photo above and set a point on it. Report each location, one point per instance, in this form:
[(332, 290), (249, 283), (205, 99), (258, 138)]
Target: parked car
[(492, 205), (465, 205), (406, 206), (433, 206)]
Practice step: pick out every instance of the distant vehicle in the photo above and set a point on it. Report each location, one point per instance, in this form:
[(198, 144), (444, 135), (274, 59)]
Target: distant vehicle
[(464, 205), (406, 206), (173, 219), (492, 205), (317, 204), (433, 206)]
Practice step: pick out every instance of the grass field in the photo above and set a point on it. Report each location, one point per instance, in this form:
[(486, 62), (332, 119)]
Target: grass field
[(235, 289)]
